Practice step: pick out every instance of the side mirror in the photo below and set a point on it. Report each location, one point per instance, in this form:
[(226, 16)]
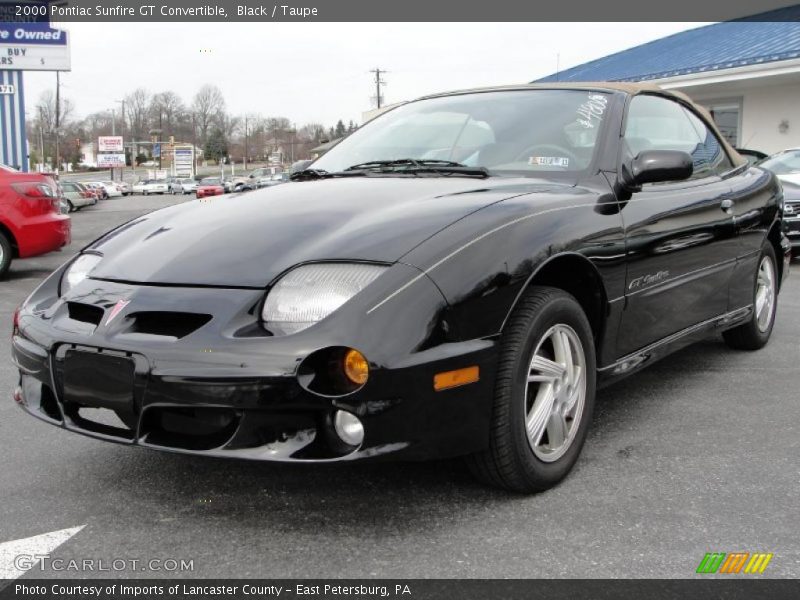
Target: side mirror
[(656, 166)]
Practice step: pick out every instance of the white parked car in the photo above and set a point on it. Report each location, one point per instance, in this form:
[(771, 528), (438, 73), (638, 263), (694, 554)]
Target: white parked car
[(785, 164), (125, 187), (112, 188), (150, 186)]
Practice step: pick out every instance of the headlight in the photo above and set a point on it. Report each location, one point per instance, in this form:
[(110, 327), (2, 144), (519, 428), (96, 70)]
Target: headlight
[(78, 271), (310, 293)]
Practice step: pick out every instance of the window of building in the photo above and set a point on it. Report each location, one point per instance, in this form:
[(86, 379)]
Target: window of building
[(727, 115)]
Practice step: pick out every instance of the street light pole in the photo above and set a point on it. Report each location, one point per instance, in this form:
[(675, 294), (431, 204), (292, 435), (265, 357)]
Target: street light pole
[(245, 142), (122, 132)]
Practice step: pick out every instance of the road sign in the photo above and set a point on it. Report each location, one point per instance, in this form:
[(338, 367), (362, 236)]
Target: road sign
[(33, 47), (111, 160), (110, 143), (156, 150), (183, 161)]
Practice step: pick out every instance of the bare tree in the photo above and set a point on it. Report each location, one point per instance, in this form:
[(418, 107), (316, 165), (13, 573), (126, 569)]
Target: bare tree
[(208, 107), (137, 112), (166, 111), (47, 110)]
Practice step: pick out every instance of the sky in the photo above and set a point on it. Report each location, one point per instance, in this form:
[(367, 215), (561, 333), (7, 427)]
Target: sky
[(320, 72)]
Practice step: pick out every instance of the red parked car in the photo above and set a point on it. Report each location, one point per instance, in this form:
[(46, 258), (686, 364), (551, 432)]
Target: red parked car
[(210, 186), (31, 222)]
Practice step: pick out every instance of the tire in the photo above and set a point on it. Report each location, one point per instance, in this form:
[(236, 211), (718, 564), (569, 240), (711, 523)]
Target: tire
[(71, 206), (145, 193), (5, 254), (526, 463), (755, 333)]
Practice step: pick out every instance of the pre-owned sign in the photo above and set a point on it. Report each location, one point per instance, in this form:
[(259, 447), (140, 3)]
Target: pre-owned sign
[(33, 47)]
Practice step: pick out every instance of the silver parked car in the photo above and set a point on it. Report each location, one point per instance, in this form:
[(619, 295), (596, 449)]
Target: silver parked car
[(183, 186)]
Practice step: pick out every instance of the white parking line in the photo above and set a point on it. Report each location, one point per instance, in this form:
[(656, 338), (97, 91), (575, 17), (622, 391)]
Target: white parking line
[(19, 556)]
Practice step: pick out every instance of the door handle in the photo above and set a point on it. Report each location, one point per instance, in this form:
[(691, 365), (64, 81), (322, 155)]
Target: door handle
[(726, 205)]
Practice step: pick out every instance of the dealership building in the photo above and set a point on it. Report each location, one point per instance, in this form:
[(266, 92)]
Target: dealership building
[(746, 73)]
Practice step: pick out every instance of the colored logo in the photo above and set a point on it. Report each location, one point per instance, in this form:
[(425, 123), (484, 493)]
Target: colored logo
[(734, 562), (116, 310)]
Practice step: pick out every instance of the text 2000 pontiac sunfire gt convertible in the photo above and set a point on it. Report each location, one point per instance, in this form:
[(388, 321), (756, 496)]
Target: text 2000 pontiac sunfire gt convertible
[(457, 277)]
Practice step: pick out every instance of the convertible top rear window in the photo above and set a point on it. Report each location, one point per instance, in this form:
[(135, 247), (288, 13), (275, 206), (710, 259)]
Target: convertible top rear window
[(505, 131)]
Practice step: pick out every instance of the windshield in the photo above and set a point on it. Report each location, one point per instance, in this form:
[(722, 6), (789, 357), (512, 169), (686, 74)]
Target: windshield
[(210, 181), (783, 163), (514, 131)]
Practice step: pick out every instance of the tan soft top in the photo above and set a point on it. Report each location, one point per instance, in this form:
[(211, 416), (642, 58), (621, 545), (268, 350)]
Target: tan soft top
[(625, 87)]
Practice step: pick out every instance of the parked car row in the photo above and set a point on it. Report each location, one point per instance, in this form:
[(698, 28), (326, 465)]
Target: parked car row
[(211, 186)]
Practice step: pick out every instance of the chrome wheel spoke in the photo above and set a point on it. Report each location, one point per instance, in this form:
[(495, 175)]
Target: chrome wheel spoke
[(556, 430), (536, 422), (544, 370), (574, 390)]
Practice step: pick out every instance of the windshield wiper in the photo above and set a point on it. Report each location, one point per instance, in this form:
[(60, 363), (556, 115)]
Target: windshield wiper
[(420, 165), (307, 174)]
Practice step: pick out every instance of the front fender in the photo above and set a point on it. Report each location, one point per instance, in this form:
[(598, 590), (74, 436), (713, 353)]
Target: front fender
[(484, 262)]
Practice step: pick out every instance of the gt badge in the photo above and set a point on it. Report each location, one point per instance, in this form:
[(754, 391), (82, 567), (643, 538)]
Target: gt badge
[(116, 310)]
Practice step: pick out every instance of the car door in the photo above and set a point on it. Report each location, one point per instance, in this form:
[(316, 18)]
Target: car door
[(680, 241)]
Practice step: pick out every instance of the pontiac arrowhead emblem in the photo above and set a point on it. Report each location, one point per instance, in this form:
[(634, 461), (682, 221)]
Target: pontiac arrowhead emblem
[(116, 310)]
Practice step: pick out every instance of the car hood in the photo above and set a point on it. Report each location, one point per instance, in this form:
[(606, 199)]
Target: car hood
[(247, 240), (793, 178)]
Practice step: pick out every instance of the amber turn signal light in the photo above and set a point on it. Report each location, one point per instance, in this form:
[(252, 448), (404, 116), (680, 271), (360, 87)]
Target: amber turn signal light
[(356, 367), (451, 379)]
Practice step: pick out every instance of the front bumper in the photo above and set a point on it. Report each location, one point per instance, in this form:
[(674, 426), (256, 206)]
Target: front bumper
[(228, 389)]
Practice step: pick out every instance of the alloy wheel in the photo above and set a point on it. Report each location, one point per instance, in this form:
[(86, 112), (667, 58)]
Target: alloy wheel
[(765, 293), (555, 393)]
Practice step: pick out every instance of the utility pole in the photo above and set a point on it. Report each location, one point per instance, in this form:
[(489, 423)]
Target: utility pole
[(194, 146), (245, 142), (378, 83), (122, 132), (58, 118), (160, 129), (113, 132), (294, 139)]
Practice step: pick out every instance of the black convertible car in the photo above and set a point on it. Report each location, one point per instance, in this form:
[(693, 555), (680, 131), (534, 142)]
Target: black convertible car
[(454, 278)]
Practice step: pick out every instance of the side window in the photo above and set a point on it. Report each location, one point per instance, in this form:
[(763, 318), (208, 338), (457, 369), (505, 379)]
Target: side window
[(656, 123), (718, 161)]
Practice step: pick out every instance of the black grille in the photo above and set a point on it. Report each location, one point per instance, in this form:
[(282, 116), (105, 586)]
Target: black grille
[(164, 323), (85, 313)]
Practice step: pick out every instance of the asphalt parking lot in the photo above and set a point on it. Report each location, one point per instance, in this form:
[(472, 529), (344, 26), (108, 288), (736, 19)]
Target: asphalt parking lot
[(699, 453)]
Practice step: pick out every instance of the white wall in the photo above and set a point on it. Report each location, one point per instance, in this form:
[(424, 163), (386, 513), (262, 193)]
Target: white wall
[(763, 109)]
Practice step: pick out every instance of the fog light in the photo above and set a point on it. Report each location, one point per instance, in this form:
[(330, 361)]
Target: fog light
[(348, 428), (356, 367)]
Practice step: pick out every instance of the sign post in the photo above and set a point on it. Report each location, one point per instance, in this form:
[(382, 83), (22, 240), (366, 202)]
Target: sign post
[(109, 149), (24, 46)]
